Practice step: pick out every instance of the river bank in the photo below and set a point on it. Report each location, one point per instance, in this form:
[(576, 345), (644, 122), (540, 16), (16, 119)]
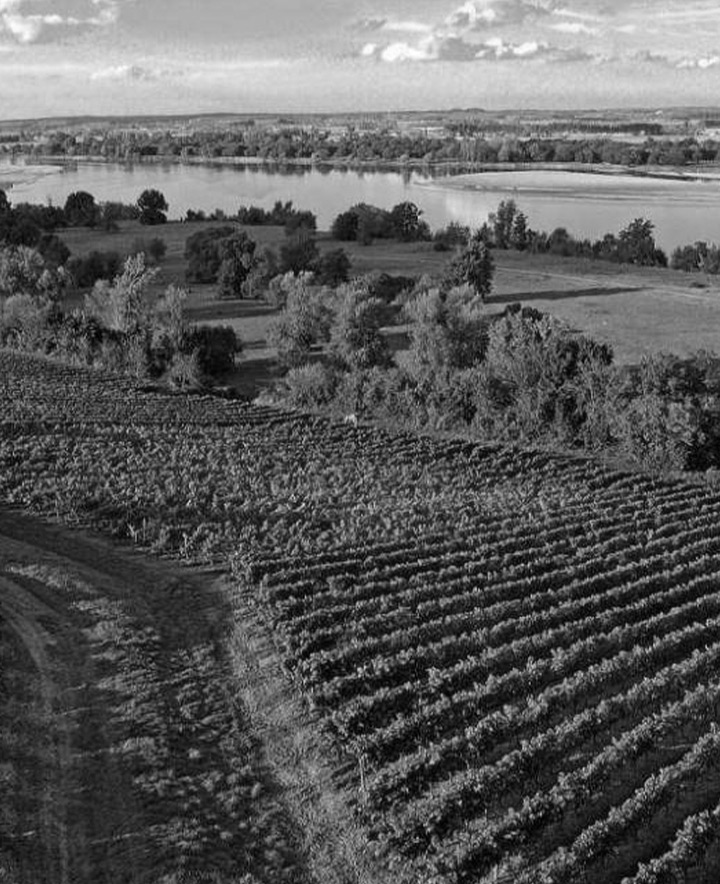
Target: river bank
[(459, 172)]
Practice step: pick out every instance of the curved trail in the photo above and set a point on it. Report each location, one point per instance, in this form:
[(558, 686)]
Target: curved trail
[(152, 773)]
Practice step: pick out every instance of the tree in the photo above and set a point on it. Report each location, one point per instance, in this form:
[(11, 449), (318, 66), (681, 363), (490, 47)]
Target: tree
[(236, 260), (81, 210), (406, 223), (473, 266), (264, 269), (636, 244), (520, 235), (502, 222), (21, 271), (305, 321), (298, 253), (54, 251), (356, 340), (152, 205), (333, 267), (345, 226), (122, 305), (202, 252), (448, 332)]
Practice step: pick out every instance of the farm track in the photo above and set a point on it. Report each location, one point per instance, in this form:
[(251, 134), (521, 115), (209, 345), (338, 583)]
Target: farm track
[(154, 774)]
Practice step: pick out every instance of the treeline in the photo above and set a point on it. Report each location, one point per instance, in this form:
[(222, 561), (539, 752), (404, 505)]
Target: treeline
[(34, 227), (465, 142), (508, 228), (25, 223), (120, 327), (280, 215), (519, 377)]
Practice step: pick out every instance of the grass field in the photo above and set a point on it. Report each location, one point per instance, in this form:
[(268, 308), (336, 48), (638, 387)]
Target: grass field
[(637, 310), (513, 654)]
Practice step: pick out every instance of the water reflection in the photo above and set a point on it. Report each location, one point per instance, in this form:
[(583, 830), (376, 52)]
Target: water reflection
[(587, 205)]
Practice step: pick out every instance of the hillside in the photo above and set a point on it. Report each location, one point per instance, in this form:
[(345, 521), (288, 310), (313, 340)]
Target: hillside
[(509, 657)]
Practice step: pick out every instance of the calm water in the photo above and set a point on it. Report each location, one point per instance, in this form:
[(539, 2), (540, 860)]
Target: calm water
[(588, 205)]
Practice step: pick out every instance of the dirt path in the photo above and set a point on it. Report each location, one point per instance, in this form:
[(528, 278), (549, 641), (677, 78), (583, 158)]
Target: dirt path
[(155, 774)]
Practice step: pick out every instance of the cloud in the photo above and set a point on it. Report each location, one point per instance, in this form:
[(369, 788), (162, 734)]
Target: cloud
[(413, 27), (458, 36), (25, 27), (699, 63), (498, 48), (573, 27), (572, 13), (495, 13), (131, 73)]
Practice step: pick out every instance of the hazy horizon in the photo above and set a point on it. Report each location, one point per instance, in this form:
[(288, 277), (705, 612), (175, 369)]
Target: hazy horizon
[(126, 57)]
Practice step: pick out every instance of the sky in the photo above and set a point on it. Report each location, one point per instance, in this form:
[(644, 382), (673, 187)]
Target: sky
[(72, 57)]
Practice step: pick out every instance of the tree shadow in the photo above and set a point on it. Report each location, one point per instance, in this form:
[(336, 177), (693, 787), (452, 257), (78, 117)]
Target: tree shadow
[(594, 292), (231, 309)]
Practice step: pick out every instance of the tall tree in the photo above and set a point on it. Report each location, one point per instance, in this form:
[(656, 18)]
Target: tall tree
[(473, 266), (237, 254), (81, 210), (152, 205)]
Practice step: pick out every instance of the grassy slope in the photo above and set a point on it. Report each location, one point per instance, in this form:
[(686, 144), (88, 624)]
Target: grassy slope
[(637, 310)]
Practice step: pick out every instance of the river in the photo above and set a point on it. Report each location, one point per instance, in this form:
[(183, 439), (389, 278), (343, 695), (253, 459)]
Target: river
[(588, 205)]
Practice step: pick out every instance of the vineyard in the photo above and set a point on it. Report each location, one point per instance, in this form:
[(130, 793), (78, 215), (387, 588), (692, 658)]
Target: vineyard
[(516, 653)]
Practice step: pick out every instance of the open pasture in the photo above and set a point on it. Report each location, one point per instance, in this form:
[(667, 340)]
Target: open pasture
[(638, 311), (516, 652)]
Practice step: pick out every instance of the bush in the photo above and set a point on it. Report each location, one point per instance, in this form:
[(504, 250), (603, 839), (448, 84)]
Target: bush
[(184, 371), (332, 267), (216, 347), (96, 266), (309, 386), (154, 249)]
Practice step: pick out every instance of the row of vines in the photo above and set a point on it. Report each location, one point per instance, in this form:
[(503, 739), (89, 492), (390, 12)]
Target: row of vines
[(518, 652)]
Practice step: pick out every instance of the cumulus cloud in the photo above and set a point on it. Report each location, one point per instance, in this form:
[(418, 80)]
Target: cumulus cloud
[(479, 30), (22, 26)]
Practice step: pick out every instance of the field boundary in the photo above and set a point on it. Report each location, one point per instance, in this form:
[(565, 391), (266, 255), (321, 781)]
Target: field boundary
[(297, 754)]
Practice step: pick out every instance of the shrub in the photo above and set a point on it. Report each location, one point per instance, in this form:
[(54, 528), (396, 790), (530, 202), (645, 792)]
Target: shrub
[(154, 248), (184, 371), (86, 271), (332, 267), (216, 347), (309, 386)]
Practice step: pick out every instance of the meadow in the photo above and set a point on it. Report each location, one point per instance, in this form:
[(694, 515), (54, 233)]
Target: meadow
[(638, 310), (513, 653)]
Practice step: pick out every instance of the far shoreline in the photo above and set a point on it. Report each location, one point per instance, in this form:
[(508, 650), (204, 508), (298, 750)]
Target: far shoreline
[(441, 170)]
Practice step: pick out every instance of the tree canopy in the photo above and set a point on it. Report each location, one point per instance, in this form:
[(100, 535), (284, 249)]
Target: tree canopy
[(153, 206)]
